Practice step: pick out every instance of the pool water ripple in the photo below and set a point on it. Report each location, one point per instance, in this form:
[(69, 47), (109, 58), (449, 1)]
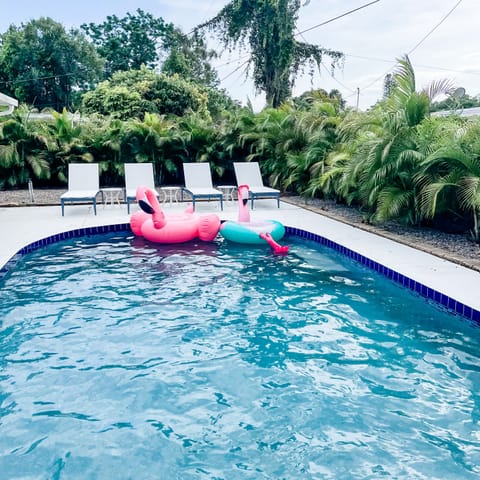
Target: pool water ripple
[(119, 359)]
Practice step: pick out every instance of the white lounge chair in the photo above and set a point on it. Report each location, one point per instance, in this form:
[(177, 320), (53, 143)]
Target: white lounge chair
[(83, 185), (248, 173), (137, 174), (198, 183)]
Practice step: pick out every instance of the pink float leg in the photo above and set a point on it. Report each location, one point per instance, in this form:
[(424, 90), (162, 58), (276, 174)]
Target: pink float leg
[(277, 248)]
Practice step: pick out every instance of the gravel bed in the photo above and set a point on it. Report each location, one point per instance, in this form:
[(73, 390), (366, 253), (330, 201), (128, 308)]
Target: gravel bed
[(454, 247)]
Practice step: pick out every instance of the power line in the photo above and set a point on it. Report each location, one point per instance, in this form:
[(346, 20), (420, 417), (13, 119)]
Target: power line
[(205, 14), (34, 79), (337, 17), (232, 61), (435, 27), (431, 67), (418, 44), (336, 79), (236, 70), (237, 78)]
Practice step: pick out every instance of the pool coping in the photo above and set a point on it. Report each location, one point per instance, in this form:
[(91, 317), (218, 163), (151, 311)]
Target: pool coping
[(452, 305)]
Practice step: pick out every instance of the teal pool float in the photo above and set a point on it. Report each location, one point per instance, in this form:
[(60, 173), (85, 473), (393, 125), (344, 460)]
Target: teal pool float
[(249, 232)]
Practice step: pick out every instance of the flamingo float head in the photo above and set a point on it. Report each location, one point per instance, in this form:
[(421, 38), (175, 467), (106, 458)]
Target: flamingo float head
[(148, 202), (243, 210)]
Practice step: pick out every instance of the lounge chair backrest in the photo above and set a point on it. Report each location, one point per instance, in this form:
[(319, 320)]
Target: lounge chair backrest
[(137, 174), (248, 173), (197, 175), (83, 176)]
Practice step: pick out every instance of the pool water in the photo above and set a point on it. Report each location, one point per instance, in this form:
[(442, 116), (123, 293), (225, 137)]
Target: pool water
[(119, 359)]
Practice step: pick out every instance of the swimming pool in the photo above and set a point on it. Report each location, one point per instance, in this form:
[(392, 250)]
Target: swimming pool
[(120, 359)]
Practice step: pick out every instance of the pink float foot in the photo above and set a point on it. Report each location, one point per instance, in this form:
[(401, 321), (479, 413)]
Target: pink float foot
[(277, 248)]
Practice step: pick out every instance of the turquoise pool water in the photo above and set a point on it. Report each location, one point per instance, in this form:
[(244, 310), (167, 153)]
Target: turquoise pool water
[(121, 360)]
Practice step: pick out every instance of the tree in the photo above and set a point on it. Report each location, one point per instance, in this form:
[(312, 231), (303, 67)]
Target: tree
[(129, 42), (308, 99), (117, 101), (270, 139), (134, 92), (453, 102), (276, 56), (318, 126), (190, 58), (68, 142), (46, 66), (388, 85)]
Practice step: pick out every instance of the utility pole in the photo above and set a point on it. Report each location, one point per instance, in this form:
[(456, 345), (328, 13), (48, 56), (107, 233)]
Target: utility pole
[(358, 97)]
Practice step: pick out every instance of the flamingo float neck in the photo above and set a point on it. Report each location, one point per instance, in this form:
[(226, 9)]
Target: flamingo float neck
[(243, 210), (151, 206)]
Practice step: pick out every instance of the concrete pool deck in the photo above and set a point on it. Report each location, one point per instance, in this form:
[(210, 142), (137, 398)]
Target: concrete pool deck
[(21, 226)]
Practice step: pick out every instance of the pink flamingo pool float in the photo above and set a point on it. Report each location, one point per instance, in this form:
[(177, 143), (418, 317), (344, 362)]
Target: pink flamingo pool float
[(155, 225), (253, 232)]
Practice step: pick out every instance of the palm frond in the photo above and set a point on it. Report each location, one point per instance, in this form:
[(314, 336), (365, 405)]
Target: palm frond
[(439, 87)]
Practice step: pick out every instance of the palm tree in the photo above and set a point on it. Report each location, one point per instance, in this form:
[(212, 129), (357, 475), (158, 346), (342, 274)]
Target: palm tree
[(450, 176), (106, 145), (146, 141), (67, 142), (330, 176), (384, 166), (23, 150), (199, 138), (270, 138), (317, 128)]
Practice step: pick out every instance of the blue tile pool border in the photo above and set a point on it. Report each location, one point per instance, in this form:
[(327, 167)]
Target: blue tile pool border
[(434, 296), (446, 302)]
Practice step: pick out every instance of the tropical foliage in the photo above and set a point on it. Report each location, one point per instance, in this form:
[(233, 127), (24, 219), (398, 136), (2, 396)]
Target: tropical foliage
[(450, 176), (380, 171), (23, 151)]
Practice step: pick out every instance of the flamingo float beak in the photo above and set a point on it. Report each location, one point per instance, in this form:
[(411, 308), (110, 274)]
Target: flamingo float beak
[(146, 207), (243, 193)]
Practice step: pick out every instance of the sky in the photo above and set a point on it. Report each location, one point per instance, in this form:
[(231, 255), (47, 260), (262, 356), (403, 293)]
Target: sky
[(440, 37)]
